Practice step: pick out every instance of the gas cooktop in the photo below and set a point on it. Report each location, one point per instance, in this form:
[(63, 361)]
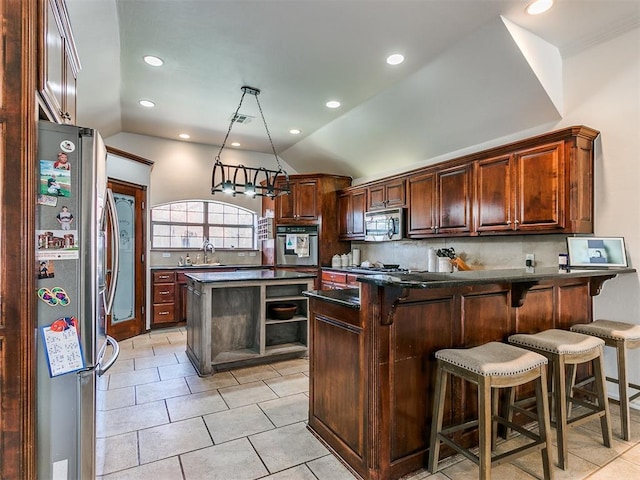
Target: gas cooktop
[(378, 269)]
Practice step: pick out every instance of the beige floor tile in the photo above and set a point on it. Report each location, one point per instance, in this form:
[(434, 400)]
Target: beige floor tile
[(632, 455), (285, 447), (122, 366), (218, 380), (301, 472), (467, 470), (289, 385), (236, 423), (137, 377), (168, 349), (167, 469), (329, 468), (116, 453), (135, 353), (151, 392), (172, 439), (130, 419), (253, 374), (150, 341), (116, 398), (155, 361), (287, 410), (182, 358), (174, 371), (194, 405), (287, 367), (588, 445), (241, 395), (235, 460), (617, 470)]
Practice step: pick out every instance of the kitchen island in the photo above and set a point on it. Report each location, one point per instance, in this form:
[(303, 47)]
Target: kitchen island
[(371, 357), (230, 321)]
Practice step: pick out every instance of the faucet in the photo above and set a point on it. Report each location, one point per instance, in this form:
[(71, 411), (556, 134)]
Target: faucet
[(207, 246)]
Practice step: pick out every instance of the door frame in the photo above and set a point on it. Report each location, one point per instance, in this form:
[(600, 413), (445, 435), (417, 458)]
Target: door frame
[(133, 328)]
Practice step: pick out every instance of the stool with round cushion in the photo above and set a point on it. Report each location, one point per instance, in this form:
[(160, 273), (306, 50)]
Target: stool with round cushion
[(563, 348), (621, 336), (491, 366)]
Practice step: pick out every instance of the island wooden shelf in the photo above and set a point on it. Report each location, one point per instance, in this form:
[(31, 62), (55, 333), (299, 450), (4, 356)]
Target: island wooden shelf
[(228, 324), (371, 359)]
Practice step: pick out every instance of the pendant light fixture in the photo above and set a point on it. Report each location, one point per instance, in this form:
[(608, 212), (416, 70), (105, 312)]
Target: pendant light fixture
[(249, 181)]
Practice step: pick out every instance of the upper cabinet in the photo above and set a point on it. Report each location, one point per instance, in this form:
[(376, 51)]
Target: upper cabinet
[(58, 63), (542, 184), (387, 194), (351, 207), (301, 205)]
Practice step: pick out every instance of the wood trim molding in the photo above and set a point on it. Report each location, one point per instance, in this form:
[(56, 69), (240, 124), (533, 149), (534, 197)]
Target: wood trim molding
[(129, 156)]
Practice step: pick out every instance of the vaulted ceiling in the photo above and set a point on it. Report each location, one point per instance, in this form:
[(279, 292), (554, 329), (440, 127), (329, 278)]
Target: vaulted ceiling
[(474, 70)]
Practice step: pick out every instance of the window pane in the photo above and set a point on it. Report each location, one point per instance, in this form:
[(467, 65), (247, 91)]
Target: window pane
[(186, 224)]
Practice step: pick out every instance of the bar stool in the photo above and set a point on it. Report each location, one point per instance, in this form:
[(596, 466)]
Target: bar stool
[(621, 336), (491, 366), (563, 348)]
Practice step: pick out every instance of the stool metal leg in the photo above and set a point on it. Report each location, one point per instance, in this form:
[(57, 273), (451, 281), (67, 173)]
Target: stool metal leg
[(560, 405), (485, 422), (623, 391), (544, 426), (603, 401), (438, 414)]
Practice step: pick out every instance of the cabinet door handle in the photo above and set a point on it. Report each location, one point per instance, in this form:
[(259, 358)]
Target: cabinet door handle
[(508, 222), (164, 292)]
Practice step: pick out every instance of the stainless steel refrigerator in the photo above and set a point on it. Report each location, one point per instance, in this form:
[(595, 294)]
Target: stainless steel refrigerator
[(75, 228)]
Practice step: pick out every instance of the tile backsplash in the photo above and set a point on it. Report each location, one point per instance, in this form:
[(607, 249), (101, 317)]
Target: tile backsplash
[(227, 257), (479, 252)]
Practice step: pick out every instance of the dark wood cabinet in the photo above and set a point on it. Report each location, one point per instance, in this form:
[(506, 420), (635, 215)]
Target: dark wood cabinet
[(164, 297), (421, 217), (454, 215), (59, 63), (387, 194), (440, 202), (333, 280), (351, 209), (301, 205), (523, 191)]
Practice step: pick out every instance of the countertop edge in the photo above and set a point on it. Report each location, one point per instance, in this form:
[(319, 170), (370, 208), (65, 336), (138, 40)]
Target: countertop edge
[(344, 297)]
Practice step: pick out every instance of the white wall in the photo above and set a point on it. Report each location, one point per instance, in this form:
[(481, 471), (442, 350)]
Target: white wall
[(602, 90)]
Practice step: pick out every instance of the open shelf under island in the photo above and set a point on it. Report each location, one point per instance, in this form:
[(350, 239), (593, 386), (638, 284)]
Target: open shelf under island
[(371, 356), (229, 322)]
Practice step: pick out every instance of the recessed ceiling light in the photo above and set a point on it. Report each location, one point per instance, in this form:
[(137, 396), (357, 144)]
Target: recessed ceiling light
[(184, 135), (153, 61), (537, 7), (235, 144), (147, 103), (332, 104), (295, 131), (395, 59)]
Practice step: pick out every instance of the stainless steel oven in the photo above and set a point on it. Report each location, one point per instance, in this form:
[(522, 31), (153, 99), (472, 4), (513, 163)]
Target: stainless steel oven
[(297, 245)]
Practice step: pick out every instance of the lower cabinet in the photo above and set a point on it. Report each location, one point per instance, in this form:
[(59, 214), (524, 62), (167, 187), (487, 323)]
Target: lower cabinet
[(334, 280)]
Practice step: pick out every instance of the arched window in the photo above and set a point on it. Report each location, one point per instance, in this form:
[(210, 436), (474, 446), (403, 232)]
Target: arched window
[(185, 225)]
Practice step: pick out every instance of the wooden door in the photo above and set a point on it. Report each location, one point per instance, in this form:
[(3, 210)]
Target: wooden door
[(18, 180), (127, 318), (377, 197), (494, 194), (454, 200), (422, 197), (358, 207), (345, 215), (540, 188)]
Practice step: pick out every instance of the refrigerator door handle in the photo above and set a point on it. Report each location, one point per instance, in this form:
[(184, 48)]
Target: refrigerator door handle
[(101, 370), (115, 247)]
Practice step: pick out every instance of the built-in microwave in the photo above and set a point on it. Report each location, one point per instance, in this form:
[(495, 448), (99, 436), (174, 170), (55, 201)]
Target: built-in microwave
[(384, 225)]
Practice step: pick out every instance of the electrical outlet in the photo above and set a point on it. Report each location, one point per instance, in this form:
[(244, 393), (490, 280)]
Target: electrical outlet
[(241, 254), (530, 262), (166, 255)]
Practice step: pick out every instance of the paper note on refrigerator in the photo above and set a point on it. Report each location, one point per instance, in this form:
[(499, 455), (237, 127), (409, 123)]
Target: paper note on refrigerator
[(62, 349)]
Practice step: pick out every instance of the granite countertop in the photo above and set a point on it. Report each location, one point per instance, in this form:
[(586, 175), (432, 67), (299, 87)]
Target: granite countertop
[(205, 265), (247, 275), (348, 297), (477, 277)]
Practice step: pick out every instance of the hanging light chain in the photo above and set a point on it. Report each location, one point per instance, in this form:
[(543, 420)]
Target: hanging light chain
[(233, 119)]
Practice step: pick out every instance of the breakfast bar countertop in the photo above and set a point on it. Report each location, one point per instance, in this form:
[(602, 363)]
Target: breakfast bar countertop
[(479, 277)]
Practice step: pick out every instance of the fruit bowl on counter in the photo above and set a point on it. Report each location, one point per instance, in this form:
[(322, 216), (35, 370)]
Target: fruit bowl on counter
[(282, 311)]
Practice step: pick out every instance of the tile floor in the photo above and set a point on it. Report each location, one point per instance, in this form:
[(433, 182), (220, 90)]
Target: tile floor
[(157, 419)]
